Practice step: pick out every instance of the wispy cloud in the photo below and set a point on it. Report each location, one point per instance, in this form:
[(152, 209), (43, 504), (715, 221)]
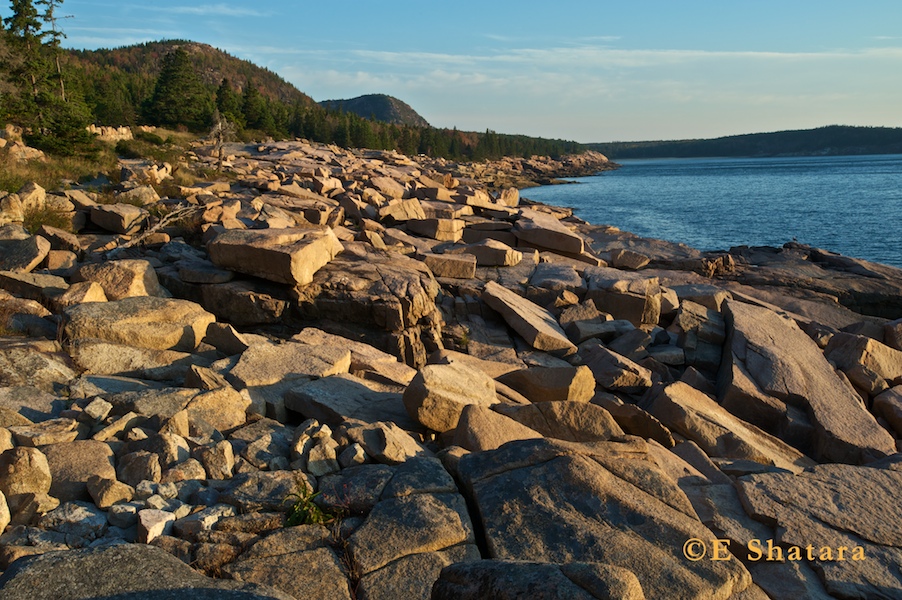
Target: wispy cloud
[(591, 74), (114, 37), (599, 38), (112, 30), (214, 10), (587, 56), (501, 38), (279, 51)]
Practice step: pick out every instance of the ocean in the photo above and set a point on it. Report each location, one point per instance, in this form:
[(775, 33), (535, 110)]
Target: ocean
[(847, 204)]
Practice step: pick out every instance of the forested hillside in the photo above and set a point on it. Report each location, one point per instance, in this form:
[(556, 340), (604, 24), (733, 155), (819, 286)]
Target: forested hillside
[(117, 82), (53, 94)]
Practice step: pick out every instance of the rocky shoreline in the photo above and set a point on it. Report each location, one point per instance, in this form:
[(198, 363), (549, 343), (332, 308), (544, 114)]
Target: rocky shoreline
[(348, 374), (497, 175)]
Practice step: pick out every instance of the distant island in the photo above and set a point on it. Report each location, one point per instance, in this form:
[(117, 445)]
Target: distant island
[(823, 141)]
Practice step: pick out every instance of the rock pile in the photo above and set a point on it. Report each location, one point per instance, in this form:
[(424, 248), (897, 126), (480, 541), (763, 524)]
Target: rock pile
[(351, 374)]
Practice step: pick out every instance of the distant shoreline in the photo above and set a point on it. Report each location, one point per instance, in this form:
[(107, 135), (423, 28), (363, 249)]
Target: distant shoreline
[(834, 140)]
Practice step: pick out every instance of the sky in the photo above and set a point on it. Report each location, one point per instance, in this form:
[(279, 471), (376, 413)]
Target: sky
[(590, 71)]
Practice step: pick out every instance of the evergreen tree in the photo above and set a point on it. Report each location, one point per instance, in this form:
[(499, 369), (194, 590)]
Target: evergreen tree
[(50, 122), (342, 134), (455, 149), (25, 30), (52, 39), (228, 103), (64, 127), (179, 97), (256, 111), (112, 102), (296, 120), (315, 126), (362, 133)]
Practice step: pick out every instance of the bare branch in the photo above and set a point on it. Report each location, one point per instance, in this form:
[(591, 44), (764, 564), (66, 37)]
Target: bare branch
[(165, 221)]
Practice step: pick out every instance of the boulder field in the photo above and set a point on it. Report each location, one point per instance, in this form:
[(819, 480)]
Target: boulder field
[(352, 374)]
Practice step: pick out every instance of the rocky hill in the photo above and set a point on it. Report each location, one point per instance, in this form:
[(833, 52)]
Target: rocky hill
[(379, 107), (334, 373)]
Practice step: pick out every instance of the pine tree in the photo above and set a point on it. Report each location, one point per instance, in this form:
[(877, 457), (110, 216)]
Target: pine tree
[(64, 127), (51, 123), (53, 37), (228, 103), (112, 101), (256, 111), (362, 133), (179, 97), (25, 30), (342, 133)]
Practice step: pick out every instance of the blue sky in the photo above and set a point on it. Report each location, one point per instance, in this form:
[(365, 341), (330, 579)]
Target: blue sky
[(584, 70)]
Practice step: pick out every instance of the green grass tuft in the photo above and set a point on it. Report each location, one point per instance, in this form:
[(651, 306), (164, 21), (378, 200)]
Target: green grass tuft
[(54, 172), (51, 217), (305, 511)]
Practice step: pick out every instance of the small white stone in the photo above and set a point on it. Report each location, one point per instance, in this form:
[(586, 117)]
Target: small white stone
[(154, 523)]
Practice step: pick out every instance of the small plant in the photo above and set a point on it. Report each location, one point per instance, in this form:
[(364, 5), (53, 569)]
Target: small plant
[(6, 314), (151, 137), (305, 511), (52, 217), (464, 339), (106, 195), (130, 149)]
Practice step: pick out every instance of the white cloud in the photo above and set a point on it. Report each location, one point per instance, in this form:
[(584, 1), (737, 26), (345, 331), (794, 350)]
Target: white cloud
[(586, 56), (113, 37), (212, 10), (111, 30)]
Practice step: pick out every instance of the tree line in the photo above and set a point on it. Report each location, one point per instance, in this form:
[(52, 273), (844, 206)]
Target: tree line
[(53, 94)]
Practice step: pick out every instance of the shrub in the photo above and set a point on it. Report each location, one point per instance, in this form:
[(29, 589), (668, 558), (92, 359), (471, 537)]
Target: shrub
[(129, 149), (152, 138)]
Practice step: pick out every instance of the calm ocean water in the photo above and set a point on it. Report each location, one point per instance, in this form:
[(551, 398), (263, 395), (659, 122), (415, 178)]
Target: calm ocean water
[(847, 204)]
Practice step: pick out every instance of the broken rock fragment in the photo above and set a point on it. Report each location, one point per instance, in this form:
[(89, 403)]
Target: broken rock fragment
[(535, 324), (289, 256), (785, 363), (438, 394)]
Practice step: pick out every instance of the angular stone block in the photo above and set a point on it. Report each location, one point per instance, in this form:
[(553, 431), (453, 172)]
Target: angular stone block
[(289, 256)]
